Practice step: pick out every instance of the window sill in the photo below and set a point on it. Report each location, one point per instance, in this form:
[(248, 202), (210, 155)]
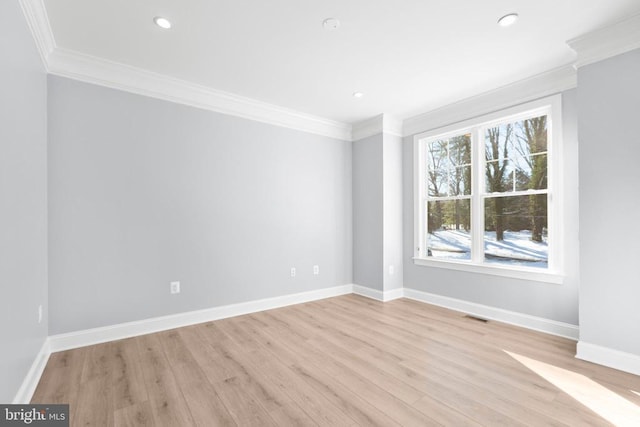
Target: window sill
[(520, 273)]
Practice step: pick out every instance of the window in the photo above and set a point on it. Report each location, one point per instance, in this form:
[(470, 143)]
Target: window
[(487, 194)]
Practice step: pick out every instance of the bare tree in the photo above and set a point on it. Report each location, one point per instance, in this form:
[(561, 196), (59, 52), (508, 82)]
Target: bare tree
[(460, 155), (437, 168), (535, 131), (496, 168)]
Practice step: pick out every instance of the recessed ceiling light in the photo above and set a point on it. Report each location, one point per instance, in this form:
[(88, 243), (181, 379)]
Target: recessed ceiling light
[(358, 94), (507, 20), (162, 22), (330, 24)]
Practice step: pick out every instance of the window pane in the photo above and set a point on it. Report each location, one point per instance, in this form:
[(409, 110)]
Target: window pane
[(516, 156), (499, 176), (498, 141), (438, 157), (449, 166), (460, 181), (438, 182), (531, 135), (532, 173), (460, 150), (449, 229), (516, 230)]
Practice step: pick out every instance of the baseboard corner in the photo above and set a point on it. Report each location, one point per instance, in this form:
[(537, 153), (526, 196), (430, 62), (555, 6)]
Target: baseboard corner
[(616, 359), (30, 382)]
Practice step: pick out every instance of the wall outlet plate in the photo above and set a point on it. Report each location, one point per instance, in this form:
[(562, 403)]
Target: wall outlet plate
[(316, 270), (175, 287)]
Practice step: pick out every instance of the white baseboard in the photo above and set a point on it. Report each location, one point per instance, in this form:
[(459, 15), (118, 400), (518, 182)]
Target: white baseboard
[(30, 382), (627, 362), (378, 295), (84, 338), (552, 327), (131, 329)]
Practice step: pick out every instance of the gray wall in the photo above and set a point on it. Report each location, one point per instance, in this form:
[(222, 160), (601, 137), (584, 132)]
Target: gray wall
[(144, 192), (23, 199), (368, 212), (550, 301), (609, 110)]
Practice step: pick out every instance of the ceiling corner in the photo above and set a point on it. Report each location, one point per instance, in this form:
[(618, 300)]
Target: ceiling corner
[(606, 42)]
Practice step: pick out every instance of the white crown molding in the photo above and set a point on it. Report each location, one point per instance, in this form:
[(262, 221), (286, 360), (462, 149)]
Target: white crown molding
[(616, 359), (606, 42), (367, 128), (538, 86), (36, 15), (30, 382), (93, 336), (540, 324), (382, 123), (90, 69), (119, 76), (392, 125)]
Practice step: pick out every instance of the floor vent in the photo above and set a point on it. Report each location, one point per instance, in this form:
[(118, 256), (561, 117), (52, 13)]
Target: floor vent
[(479, 319)]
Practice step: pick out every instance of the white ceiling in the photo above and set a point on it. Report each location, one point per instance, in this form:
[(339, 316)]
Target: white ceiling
[(407, 56)]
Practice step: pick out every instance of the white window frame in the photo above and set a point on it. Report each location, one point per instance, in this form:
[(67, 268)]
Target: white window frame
[(552, 107)]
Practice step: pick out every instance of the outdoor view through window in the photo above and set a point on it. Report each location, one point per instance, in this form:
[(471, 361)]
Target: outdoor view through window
[(511, 197)]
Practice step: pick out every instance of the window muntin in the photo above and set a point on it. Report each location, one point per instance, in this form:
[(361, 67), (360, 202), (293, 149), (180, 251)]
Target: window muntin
[(484, 193)]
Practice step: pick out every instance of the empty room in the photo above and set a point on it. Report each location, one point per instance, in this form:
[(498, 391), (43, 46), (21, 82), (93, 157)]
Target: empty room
[(322, 213)]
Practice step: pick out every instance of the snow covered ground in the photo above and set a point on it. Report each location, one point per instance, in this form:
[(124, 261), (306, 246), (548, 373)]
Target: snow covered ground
[(516, 248)]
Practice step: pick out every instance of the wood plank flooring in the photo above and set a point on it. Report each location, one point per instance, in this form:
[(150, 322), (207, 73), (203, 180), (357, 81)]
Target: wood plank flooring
[(344, 361)]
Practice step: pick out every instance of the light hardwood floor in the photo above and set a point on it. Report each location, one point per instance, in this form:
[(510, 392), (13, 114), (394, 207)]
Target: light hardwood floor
[(342, 361)]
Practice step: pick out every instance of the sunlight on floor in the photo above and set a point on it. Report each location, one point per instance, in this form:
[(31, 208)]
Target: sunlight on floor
[(599, 399)]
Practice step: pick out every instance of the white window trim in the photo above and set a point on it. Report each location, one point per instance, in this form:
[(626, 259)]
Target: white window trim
[(555, 272)]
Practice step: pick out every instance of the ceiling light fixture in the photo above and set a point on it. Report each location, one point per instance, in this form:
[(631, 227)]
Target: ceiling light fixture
[(358, 94), (508, 20), (330, 24), (162, 22)]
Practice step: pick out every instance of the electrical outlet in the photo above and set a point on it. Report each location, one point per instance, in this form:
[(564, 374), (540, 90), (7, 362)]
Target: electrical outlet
[(316, 270), (392, 270), (293, 272), (40, 313), (175, 287)]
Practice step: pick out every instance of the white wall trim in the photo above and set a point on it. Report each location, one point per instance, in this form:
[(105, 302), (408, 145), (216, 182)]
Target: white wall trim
[(540, 324), (378, 295), (538, 86), (91, 69), (606, 42), (30, 382), (367, 128), (87, 337), (67, 341), (38, 22), (392, 125), (392, 294), (627, 362), (382, 123), (368, 292)]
